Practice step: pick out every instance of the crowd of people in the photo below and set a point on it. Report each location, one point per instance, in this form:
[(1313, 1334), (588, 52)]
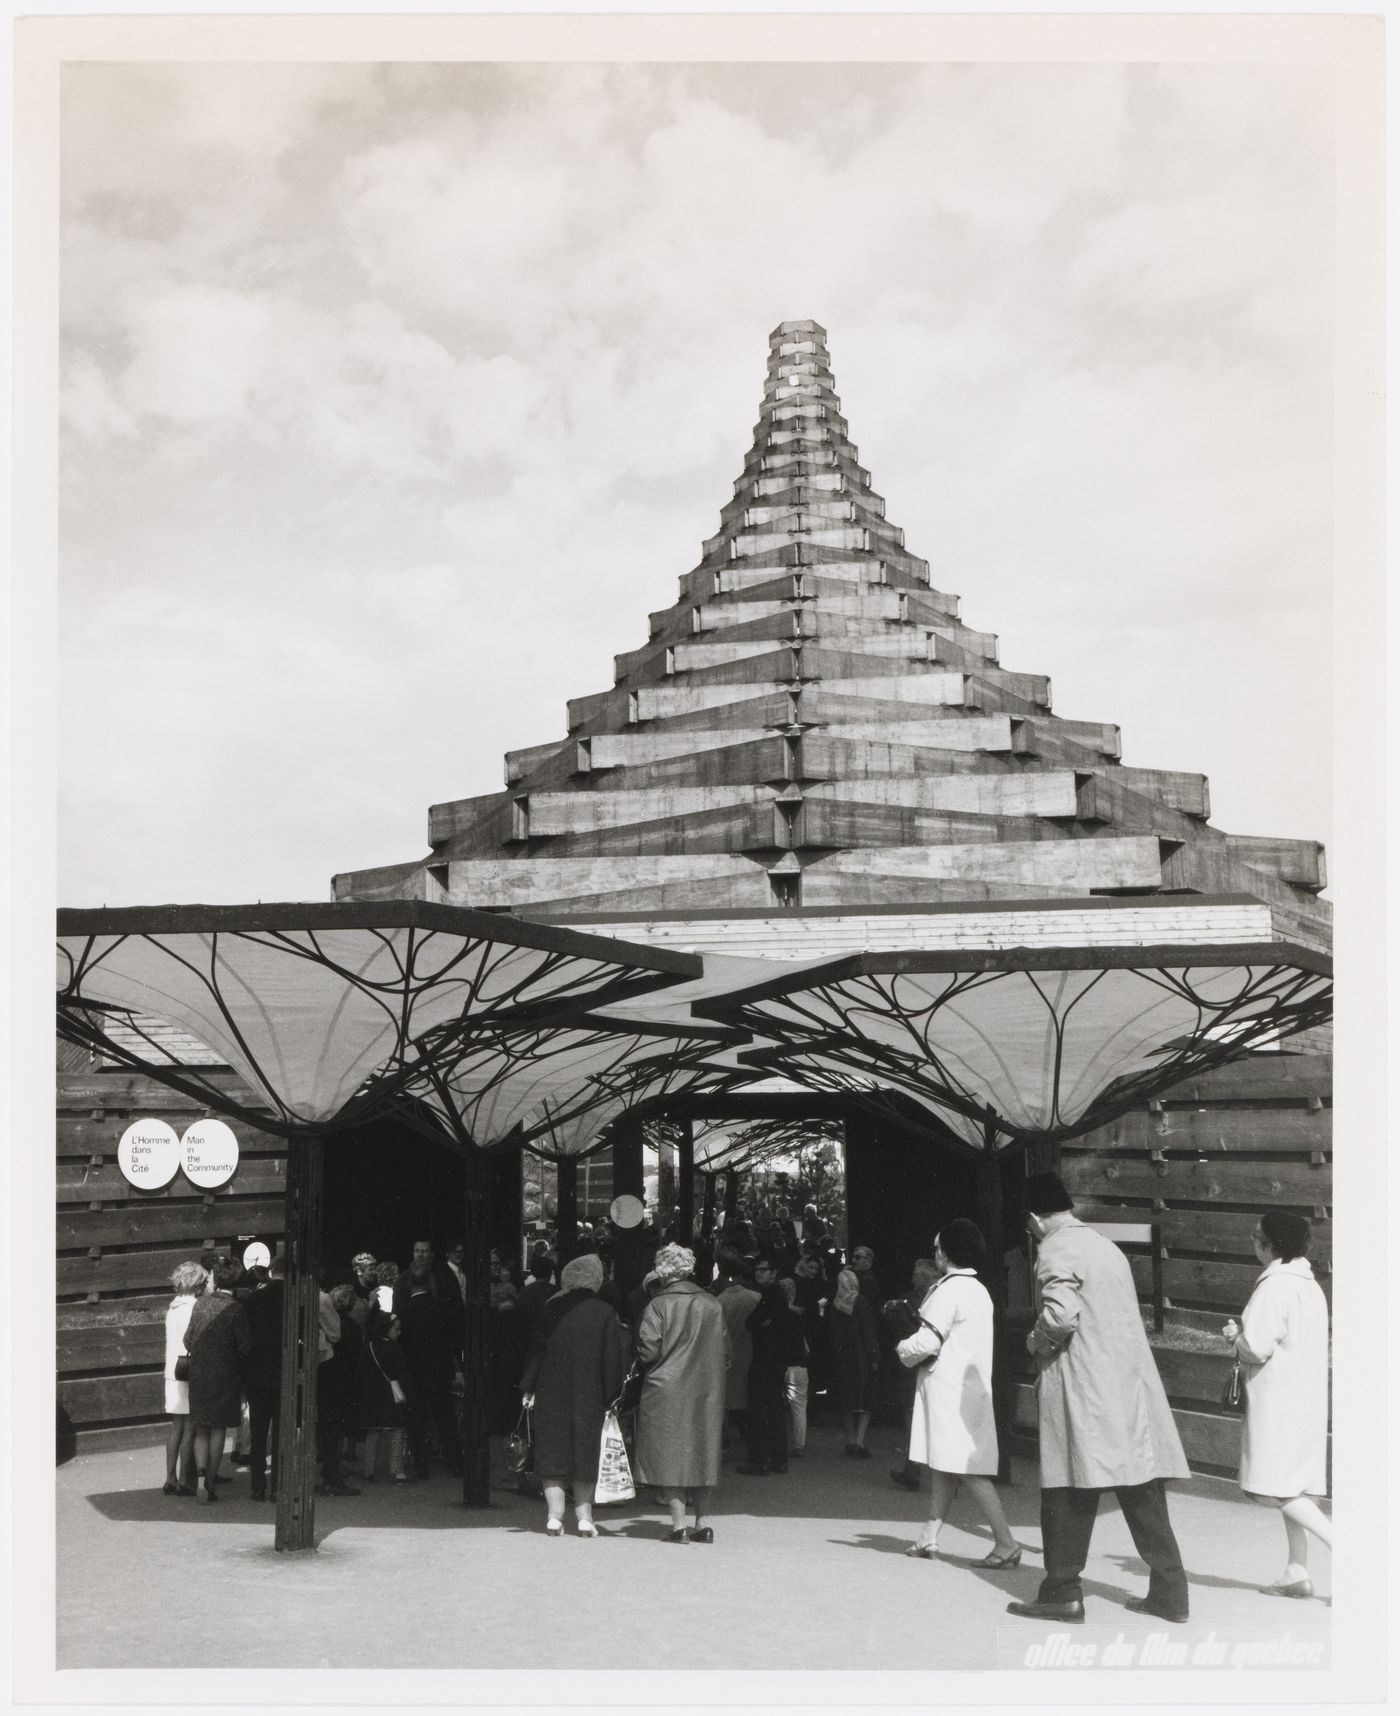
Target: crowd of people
[(388, 1383), (739, 1343)]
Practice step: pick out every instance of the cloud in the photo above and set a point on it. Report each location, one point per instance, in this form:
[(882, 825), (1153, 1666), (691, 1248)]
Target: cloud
[(396, 396)]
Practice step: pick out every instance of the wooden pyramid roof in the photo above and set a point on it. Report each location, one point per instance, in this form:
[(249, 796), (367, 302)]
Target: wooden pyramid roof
[(812, 724)]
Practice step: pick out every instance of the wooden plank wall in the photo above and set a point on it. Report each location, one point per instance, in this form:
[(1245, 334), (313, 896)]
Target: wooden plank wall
[(116, 1246), (1204, 1163)]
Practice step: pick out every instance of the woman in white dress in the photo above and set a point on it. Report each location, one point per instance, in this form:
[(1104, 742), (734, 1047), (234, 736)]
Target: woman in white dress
[(189, 1282), (1282, 1349), (953, 1430)]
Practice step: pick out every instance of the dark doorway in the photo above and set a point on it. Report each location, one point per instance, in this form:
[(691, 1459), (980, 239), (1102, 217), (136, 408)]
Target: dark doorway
[(902, 1185), (387, 1185)]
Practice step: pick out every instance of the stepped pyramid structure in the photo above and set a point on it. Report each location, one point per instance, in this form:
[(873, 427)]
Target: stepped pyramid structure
[(812, 724)]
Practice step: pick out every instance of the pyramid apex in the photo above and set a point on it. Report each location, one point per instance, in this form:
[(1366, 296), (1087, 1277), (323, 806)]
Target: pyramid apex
[(789, 330)]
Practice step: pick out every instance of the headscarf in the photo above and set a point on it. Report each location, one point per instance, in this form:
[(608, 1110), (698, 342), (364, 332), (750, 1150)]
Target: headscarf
[(581, 1272), (673, 1263), (847, 1291)]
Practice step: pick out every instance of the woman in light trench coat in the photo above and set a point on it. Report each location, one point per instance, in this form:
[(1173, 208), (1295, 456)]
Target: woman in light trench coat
[(1282, 1349), (953, 1429)]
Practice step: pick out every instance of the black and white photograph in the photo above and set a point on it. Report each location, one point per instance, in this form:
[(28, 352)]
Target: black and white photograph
[(700, 690)]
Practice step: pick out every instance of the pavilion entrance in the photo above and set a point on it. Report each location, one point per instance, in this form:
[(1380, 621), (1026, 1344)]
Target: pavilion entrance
[(387, 1184)]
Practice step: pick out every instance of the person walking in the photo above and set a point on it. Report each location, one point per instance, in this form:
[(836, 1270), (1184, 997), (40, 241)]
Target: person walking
[(855, 1353), (189, 1281), (795, 1377), (1281, 1343), (1103, 1414), (953, 1427), (431, 1338), (337, 1395), (776, 1342), (383, 1398), (573, 1374), (737, 1299), (263, 1377), (217, 1339), (683, 1341), (900, 1319)]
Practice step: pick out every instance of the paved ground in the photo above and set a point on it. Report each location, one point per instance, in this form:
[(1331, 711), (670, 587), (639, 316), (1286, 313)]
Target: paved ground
[(807, 1571)]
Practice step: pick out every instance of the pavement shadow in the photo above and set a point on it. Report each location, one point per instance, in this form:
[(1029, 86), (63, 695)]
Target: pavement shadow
[(434, 1505)]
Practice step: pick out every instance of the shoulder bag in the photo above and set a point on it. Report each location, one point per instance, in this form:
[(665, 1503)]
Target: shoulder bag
[(520, 1444)]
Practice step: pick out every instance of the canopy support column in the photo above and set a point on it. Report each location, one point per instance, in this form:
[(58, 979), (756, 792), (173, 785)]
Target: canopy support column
[(295, 1471), (627, 1179), (993, 1224), (707, 1206), (566, 1191), (476, 1268), (685, 1182), (732, 1177)]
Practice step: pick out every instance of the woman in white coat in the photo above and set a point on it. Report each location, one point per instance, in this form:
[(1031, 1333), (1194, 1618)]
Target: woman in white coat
[(189, 1281), (953, 1430), (1282, 1349)]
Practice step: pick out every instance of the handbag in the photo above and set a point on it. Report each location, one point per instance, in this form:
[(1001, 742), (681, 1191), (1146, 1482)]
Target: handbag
[(614, 1468), (520, 1444), (1232, 1395), (182, 1367)]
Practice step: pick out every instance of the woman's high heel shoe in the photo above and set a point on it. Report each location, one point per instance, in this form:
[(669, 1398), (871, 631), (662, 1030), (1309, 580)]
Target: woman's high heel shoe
[(586, 1528), (1011, 1559), (554, 1528), (923, 1551)]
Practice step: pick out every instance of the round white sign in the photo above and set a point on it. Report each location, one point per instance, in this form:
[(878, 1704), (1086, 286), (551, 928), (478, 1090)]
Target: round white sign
[(149, 1154), (256, 1256), (210, 1153), (627, 1211)]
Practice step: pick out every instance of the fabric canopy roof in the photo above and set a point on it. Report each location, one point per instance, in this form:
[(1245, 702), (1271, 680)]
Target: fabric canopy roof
[(539, 1080), (329, 1011), (1049, 1042)]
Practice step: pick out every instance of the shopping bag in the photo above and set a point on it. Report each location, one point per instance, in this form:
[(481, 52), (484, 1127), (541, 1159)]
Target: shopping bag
[(614, 1469)]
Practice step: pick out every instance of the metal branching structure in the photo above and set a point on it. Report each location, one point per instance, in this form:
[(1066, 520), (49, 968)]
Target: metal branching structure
[(330, 1012), (1045, 1044)]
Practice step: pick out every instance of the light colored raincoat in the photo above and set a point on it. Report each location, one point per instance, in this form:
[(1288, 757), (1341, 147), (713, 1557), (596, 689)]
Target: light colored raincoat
[(1104, 1418)]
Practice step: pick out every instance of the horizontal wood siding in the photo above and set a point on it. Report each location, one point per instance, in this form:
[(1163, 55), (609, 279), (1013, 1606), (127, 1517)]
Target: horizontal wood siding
[(116, 1245), (1203, 1164)]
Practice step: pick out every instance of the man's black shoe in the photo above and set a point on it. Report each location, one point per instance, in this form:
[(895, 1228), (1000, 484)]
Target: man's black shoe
[(1073, 1613), (905, 1480), (1147, 1606), (338, 1490), (752, 1471)]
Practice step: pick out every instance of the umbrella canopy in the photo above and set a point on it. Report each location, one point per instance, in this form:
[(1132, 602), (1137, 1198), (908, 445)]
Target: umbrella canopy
[(536, 1080), (1051, 1041), (329, 1011)]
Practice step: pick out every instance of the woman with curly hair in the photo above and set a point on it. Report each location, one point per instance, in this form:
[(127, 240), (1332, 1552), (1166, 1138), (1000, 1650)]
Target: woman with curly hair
[(684, 1344), (189, 1281), (218, 1339)]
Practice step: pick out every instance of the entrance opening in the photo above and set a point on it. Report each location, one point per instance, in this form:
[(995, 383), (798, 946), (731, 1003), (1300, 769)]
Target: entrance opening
[(387, 1185)]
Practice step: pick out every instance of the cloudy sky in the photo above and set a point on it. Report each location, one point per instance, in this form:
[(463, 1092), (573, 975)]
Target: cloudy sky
[(396, 396)]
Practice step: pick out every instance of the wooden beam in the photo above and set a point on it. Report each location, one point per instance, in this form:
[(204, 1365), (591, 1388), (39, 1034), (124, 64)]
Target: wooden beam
[(301, 1349), (685, 1182), (476, 1268), (566, 1192)]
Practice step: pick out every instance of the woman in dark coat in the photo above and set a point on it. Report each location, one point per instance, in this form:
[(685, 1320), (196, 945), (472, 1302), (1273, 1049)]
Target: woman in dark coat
[(573, 1375), (855, 1353), (218, 1339), (684, 1343)]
